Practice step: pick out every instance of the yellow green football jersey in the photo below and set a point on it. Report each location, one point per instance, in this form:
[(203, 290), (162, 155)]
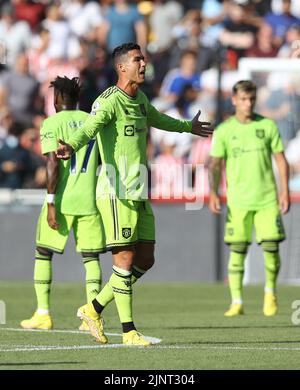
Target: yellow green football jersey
[(247, 150), (76, 187), (121, 123)]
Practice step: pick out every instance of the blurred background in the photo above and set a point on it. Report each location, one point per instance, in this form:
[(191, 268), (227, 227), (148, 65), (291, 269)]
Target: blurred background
[(196, 50)]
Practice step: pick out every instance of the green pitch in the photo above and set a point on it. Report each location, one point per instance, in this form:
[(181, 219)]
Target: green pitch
[(187, 318)]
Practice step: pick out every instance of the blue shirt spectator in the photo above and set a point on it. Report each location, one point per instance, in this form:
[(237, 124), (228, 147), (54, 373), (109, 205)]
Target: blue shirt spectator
[(122, 26)]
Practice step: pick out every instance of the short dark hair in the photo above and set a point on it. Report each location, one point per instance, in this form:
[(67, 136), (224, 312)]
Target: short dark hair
[(69, 88), (244, 86), (124, 49)]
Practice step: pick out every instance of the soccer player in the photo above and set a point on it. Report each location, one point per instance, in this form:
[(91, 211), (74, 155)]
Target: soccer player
[(120, 117), (70, 202), (246, 142)]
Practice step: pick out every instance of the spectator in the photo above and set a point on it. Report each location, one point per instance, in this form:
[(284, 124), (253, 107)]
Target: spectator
[(280, 22), (84, 18), (36, 176), (59, 32), (15, 161), (22, 90), (188, 37), (237, 35), (290, 49), (123, 23), (31, 11), (38, 55), (276, 6), (213, 13), (176, 79), (14, 35), (165, 15), (181, 142), (264, 45)]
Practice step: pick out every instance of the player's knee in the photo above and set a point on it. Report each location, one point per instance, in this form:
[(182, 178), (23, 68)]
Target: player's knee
[(270, 246), (146, 262), (241, 248), (44, 252)]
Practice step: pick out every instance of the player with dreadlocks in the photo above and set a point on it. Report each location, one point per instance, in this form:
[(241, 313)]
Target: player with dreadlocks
[(70, 202)]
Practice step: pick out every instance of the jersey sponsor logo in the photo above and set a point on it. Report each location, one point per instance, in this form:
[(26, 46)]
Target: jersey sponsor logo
[(126, 232), (129, 130), (48, 135), (95, 108), (143, 109), (260, 133), (236, 152)]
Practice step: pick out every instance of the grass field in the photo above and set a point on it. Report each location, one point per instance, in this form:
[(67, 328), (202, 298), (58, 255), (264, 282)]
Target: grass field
[(187, 318)]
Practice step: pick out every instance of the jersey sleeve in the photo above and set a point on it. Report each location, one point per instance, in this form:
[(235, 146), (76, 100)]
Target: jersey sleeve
[(165, 122), (276, 141), (48, 137), (101, 114), (218, 148)]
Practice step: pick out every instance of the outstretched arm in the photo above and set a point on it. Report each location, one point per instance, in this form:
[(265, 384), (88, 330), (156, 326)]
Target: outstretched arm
[(165, 122), (214, 176), (283, 170), (52, 170)]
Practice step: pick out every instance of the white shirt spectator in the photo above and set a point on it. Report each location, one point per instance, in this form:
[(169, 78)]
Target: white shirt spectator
[(82, 17), (15, 38)]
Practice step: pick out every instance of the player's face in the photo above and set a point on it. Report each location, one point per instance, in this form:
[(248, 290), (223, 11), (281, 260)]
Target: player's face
[(135, 66), (244, 102)]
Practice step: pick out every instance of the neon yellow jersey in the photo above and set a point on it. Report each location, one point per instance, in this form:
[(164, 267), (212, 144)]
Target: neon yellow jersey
[(76, 187), (121, 123), (247, 150)]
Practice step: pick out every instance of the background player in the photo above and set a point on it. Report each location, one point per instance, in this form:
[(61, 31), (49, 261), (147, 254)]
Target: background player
[(70, 202), (120, 118), (247, 141)]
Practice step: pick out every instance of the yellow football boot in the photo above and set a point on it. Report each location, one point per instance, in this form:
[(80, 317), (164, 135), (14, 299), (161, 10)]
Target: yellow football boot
[(135, 338), (38, 321), (234, 310), (270, 304), (84, 327), (94, 321)]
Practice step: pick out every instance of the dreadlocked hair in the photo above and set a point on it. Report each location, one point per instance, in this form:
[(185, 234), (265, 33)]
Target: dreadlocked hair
[(69, 88)]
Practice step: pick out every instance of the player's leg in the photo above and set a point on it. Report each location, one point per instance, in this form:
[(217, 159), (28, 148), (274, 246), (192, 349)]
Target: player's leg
[(144, 255), (238, 231), (120, 221), (89, 237), (41, 319), (269, 232), (47, 241)]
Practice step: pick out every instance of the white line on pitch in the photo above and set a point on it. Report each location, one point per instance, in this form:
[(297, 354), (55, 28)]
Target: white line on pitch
[(153, 340), (30, 348)]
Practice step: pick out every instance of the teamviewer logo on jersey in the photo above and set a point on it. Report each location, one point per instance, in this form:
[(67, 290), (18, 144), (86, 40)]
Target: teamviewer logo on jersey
[(126, 232), (129, 130)]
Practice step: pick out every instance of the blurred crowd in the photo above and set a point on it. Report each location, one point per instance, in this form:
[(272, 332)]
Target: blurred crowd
[(186, 43)]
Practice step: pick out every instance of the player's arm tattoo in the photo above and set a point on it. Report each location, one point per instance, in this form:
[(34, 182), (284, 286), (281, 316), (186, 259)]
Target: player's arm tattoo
[(214, 173), (52, 170)]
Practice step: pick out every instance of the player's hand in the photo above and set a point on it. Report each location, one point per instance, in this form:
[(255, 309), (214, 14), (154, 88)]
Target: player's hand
[(204, 129), (64, 150), (284, 203), (51, 217), (214, 203)]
